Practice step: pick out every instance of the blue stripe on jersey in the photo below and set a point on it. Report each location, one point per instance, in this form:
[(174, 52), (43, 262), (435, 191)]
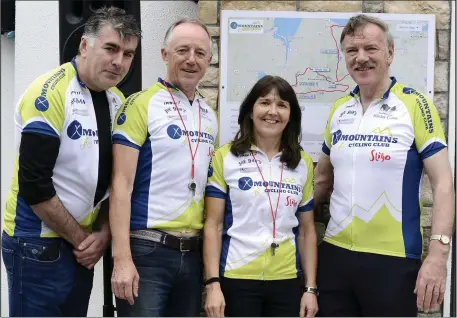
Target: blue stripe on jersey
[(296, 231), (325, 149), (307, 207), (119, 139), (140, 195), (27, 222), (431, 149), (213, 192), (412, 174), (228, 222), (40, 127)]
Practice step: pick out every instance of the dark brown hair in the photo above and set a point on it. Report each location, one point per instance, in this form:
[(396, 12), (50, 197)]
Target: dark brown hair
[(290, 139)]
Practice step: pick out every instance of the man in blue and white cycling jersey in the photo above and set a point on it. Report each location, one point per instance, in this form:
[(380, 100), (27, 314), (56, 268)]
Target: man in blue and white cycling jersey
[(63, 171), (378, 140)]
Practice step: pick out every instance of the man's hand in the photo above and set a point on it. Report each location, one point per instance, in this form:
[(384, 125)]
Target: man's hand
[(431, 283), (125, 280), (92, 248), (308, 305), (215, 302)]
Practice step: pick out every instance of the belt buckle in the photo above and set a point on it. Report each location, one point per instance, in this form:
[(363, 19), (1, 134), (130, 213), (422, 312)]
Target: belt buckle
[(181, 244)]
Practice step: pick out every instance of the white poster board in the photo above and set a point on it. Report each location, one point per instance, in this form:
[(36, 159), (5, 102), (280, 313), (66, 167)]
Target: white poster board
[(304, 49)]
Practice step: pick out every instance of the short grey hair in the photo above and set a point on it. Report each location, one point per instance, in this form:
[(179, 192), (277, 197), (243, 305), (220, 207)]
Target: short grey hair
[(167, 37), (360, 21), (122, 22)]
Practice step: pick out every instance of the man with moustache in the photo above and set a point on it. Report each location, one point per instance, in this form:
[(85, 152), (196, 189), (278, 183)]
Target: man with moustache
[(163, 140), (378, 141)]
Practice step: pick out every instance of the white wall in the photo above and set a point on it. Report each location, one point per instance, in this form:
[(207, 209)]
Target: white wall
[(35, 50), (7, 105)]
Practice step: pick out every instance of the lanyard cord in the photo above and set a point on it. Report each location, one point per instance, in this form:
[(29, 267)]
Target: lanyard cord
[(192, 154), (273, 214)]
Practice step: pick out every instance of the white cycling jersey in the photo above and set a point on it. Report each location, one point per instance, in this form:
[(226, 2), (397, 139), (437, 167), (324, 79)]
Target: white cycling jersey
[(377, 158), (150, 122), (59, 104), (248, 224)]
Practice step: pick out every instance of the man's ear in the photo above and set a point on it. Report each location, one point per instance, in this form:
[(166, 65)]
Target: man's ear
[(83, 46), (164, 55), (390, 56)]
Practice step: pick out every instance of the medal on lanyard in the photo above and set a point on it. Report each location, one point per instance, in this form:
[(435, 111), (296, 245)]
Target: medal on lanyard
[(273, 245), (192, 185)]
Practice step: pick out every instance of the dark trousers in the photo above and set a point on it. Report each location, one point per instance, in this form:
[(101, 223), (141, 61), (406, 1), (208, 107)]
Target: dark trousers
[(354, 284), (257, 298), (44, 278), (170, 282)]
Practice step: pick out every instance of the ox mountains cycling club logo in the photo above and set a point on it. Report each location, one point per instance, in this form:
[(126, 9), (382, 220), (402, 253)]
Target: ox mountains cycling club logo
[(175, 132), (75, 131), (246, 183), (363, 140), (41, 103)]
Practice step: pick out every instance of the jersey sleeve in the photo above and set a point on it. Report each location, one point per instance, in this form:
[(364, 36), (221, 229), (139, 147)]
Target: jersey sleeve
[(307, 200), (216, 186), (131, 126), (428, 132), (42, 108)]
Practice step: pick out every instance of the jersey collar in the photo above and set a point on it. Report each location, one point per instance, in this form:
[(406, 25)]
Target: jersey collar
[(73, 62), (256, 149), (356, 91), (169, 85)]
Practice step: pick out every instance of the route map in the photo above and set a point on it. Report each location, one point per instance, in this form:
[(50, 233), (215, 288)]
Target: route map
[(304, 48)]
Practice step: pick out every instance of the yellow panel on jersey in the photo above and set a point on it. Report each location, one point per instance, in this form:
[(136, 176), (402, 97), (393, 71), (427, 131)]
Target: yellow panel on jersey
[(248, 227), (377, 164), (327, 135), (267, 266)]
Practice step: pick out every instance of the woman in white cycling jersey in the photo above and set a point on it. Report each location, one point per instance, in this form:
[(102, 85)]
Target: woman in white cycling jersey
[(259, 231)]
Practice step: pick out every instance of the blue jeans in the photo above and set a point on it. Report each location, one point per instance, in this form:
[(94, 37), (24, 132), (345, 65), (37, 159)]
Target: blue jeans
[(44, 278), (170, 282)]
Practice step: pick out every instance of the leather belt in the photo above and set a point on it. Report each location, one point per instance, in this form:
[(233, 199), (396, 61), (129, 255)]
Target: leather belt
[(182, 244)]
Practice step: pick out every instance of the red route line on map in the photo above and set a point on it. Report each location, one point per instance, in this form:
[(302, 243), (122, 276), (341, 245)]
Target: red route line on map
[(337, 66)]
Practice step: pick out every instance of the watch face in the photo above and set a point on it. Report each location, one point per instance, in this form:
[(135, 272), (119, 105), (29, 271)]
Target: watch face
[(445, 239)]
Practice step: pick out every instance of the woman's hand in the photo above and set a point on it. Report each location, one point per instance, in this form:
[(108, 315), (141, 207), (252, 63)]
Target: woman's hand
[(308, 305)]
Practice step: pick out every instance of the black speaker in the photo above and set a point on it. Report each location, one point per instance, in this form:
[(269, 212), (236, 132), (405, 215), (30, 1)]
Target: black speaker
[(8, 16), (73, 15)]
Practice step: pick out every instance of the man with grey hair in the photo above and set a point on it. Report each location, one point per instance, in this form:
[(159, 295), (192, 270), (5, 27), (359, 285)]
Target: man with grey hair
[(378, 141), (63, 170), (163, 142)]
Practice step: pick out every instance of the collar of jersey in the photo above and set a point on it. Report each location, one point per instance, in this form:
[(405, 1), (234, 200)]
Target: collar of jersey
[(73, 62), (256, 149), (175, 89), (356, 92)]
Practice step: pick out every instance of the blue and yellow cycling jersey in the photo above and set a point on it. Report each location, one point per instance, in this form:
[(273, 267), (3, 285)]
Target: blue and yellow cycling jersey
[(377, 159), (59, 104), (248, 226), (150, 122)]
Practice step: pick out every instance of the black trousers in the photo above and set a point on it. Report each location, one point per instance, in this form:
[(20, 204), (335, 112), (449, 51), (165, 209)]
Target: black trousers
[(355, 284), (256, 298)]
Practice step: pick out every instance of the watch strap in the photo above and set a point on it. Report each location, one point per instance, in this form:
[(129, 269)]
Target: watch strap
[(312, 290), (212, 280)]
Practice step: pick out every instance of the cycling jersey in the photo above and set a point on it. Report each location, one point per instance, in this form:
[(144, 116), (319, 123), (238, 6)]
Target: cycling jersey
[(59, 104), (248, 224), (150, 122), (377, 159)]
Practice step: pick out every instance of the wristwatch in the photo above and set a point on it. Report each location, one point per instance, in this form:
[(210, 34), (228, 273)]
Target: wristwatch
[(444, 239), (312, 290)]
